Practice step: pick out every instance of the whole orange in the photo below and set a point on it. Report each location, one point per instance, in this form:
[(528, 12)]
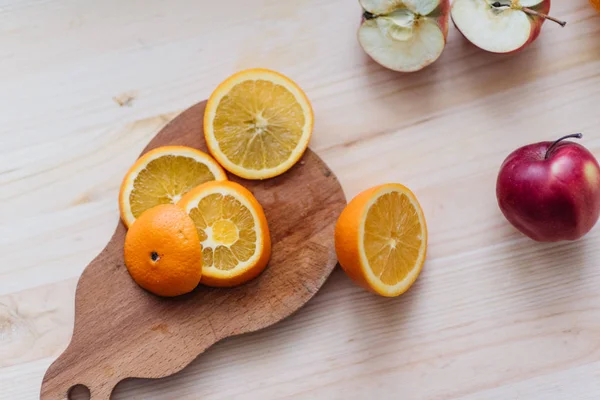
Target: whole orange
[(163, 253)]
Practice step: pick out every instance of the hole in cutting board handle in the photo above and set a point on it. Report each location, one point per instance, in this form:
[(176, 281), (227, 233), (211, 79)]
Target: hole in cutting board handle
[(79, 392)]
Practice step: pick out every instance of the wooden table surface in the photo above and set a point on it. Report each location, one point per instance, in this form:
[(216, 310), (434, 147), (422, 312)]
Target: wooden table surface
[(85, 84)]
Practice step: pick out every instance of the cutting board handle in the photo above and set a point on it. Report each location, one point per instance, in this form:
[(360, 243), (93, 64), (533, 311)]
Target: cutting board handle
[(99, 388), (96, 393), (66, 373)]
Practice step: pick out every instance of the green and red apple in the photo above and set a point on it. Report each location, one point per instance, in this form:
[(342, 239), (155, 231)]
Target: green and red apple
[(501, 26), (550, 191), (404, 35)]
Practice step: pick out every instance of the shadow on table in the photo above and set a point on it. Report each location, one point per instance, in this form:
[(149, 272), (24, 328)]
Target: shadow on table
[(548, 274), (478, 74)]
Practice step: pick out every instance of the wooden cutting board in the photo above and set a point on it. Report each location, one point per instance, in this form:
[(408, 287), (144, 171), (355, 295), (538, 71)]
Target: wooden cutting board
[(122, 331)]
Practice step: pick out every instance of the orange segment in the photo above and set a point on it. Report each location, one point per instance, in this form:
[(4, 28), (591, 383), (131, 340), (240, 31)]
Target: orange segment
[(381, 239), (163, 176), (257, 123), (233, 231), (162, 251)]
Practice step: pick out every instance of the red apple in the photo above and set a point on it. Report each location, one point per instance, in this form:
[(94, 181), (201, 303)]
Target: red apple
[(550, 191), (501, 26)]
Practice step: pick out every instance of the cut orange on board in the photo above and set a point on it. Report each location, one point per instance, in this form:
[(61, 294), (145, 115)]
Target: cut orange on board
[(231, 224), (163, 176), (258, 123), (162, 251), (381, 239)]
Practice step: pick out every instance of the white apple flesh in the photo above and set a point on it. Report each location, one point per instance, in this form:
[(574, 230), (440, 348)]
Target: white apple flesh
[(501, 26), (404, 35)]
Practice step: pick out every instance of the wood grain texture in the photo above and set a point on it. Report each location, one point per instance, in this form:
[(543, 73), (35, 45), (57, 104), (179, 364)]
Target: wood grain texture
[(493, 316), (122, 331)]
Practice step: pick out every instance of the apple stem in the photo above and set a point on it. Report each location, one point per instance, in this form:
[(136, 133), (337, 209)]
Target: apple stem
[(539, 14), (529, 11), (553, 145)]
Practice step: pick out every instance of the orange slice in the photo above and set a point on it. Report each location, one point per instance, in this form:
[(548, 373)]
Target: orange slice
[(381, 239), (231, 224), (163, 176), (257, 124)]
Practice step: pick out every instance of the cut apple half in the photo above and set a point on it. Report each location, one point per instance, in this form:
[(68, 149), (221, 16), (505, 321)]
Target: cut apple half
[(404, 35), (501, 26)]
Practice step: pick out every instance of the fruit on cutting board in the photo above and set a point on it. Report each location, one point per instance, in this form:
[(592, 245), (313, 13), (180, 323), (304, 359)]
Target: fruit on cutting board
[(233, 231), (163, 176), (381, 239), (550, 191), (258, 123), (501, 26), (406, 35), (162, 251)]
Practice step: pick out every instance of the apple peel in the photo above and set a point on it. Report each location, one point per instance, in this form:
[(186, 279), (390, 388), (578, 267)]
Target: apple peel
[(550, 191)]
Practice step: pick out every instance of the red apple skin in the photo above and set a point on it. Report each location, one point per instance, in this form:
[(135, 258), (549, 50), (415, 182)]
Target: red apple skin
[(444, 19), (551, 199), (536, 25)]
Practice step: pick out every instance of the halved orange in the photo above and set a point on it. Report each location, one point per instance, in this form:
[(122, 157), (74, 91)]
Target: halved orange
[(233, 231), (163, 176), (381, 239), (258, 123)]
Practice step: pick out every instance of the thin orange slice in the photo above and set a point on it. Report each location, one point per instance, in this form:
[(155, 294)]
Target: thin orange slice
[(163, 176), (233, 231), (381, 239), (258, 123)]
